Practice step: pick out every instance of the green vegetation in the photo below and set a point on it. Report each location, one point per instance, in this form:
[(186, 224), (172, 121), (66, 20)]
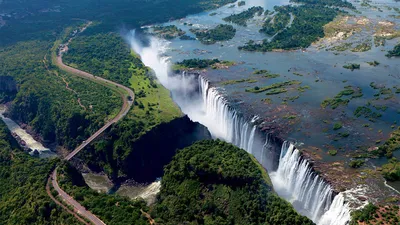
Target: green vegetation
[(44, 102), (371, 214), (306, 28), (111, 208), (386, 93), (222, 32), (363, 47), (46, 19), (276, 87), (107, 56), (238, 81), (243, 17), (395, 52), (337, 126), (168, 32), (201, 64), (153, 105), (291, 98), (340, 48), (367, 113), (289, 117), (363, 215), (338, 100), (357, 163), (332, 152), (391, 170), (212, 182), (23, 198), (241, 3), (104, 55), (392, 144), (352, 66), (303, 88), (276, 91), (374, 63), (266, 74), (272, 25), (338, 3)]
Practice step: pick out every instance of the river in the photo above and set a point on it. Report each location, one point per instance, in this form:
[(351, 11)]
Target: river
[(29, 143)]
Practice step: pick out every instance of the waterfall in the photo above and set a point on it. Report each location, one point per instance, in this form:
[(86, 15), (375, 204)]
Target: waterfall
[(222, 121), (297, 182), (294, 178)]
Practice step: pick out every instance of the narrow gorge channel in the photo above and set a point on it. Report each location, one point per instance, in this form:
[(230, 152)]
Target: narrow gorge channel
[(292, 175)]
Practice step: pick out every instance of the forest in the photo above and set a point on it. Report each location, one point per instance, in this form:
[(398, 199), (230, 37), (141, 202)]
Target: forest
[(108, 56), (306, 28), (213, 182), (332, 3), (23, 198), (210, 182), (277, 23), (47, 19), (242, 18), (221, 32), (110, 208), (45, 103)]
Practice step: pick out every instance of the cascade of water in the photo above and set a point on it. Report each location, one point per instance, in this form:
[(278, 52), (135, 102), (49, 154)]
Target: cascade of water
[(225, 123), (294, 179)]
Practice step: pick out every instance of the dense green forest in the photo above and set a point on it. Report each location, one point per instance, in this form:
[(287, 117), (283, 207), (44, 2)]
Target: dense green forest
[(104, 55), (210, 182), (272, 25), (306, 28), (110, 208), (153, 106), (44, 102), (337, 3), (221, 32), (213, 182), (23, 198), (243, 17), (44, 20)]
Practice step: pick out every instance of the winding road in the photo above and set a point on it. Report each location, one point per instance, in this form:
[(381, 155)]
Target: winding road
[(127, 103)]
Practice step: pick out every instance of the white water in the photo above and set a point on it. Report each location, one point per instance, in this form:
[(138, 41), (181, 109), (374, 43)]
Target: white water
[(308, 192), (30, 142), (294, 179)]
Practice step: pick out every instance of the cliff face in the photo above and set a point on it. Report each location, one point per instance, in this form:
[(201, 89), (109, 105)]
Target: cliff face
[(156, 148), (146, 157), (8, 84)]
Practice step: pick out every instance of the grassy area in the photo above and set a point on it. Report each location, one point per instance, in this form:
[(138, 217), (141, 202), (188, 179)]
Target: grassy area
[(152, 99)]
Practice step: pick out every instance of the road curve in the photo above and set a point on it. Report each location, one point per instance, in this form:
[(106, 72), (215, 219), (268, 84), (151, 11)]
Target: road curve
[(124, 110), (78, 208)]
